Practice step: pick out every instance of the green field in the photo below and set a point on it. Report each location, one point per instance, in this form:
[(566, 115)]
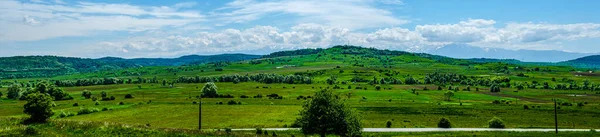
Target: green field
[(407, 105)]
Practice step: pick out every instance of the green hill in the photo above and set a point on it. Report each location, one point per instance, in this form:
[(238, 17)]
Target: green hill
[(48, 66)]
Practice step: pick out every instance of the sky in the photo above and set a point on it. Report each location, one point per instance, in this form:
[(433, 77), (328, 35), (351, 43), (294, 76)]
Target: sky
[(170, 28)]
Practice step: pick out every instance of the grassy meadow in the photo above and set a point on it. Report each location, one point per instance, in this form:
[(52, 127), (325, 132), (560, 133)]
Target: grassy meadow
[(421, 105)]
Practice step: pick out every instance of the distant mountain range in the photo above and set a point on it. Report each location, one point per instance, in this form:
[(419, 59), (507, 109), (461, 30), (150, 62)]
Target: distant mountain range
[(467, 51), (48, 66)]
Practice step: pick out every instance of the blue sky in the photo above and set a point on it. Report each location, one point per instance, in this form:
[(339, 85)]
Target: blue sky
[(175, 28)]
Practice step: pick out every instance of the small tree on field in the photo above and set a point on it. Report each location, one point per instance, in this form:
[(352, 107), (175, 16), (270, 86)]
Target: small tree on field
[(327, 114), (210, 90), (494, 88), (14, 91), (448, 95), (39, 107), (496, 123), (388, 124), (86, 94), (444, 123)]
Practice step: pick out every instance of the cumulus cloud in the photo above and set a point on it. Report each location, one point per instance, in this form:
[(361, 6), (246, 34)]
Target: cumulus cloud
[(22, 21), (311, 35), (356, 14)]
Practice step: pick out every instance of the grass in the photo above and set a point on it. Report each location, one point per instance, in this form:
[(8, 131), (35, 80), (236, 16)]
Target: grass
[(173, 107)]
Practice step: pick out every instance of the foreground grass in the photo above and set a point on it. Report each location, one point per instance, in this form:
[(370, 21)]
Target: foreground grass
[(12, 127)]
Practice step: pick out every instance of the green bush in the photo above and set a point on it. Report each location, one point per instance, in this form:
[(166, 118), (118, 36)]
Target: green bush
[(87, 111), (259, 131), (128, 96), (525, 107), (231, 102), (496, 123), (326, 114), (444, 123), (38, 107), (388, 124), (75, 104)]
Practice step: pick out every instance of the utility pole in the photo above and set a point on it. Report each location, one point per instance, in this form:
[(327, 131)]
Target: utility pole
[(555, 117), (200, 114)]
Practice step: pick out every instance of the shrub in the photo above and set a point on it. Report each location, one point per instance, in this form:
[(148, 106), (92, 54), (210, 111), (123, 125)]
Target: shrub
[(62, 114), (273, 133), (210, 90), (104, 109), (259, 131), (326, 114), (121, 103), (128, 96), (231, 102), (444, 123), (388, 124), (112, 98), (97, 103), (525, 107), (496, 123), (30, 130), (14, 91), (86, 94), (243, 96), (75, 104), (496, 102), (38, 107), (94, 98), (377, 87), (228, 130), (87, 111), (580, 104)]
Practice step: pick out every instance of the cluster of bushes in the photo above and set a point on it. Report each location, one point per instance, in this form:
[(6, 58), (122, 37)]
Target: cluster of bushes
[(65, 114), (274, 96), (15, 91), (303, 97), (262, 78), (219, 96), (83, 111), (231, 102), (501, 101)]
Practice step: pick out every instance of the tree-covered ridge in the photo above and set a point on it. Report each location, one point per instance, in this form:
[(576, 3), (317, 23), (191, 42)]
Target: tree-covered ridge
[(48, 66)]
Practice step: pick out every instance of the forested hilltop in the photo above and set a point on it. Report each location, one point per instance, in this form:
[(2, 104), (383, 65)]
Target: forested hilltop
[(48, 66)]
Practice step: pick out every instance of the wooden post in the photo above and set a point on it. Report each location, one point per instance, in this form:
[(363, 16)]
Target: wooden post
[(200, 114), (555, 118)]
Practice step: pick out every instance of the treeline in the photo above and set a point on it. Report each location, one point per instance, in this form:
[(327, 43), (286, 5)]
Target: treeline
[(235, 78), (294, 53), (17, 91)]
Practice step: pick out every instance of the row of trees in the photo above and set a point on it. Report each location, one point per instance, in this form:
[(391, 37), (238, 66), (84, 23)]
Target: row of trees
[(15, 91), (263, 78)]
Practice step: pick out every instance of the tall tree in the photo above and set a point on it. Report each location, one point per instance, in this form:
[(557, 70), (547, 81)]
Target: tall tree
[(210, 90), (326, 114), (39, 107)]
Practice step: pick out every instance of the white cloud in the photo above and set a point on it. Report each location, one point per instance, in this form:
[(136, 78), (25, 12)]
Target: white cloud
[(33, 21), (311, 35), (354, 14)]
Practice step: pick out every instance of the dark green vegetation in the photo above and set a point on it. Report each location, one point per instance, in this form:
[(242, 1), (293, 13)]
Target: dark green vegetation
[(326, 114), (407, 89), (48, 66)]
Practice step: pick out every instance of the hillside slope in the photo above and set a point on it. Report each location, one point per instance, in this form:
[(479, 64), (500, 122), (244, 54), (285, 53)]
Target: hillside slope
[(48, 66)]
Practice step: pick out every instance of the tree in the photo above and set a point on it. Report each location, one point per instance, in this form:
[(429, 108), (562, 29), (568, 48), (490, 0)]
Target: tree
[(86, 94), (210, 90), (388, 124), (494, 88), (496, 123), (444, 123), (103, 94), (327, 114), (39, 107), (448, 95), (14, 91)]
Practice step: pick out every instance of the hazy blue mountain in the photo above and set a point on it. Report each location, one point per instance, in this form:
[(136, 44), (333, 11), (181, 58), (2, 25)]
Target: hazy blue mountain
[(467, 51)]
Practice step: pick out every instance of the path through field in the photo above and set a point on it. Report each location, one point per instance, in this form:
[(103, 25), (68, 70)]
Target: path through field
[(437, 129)]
